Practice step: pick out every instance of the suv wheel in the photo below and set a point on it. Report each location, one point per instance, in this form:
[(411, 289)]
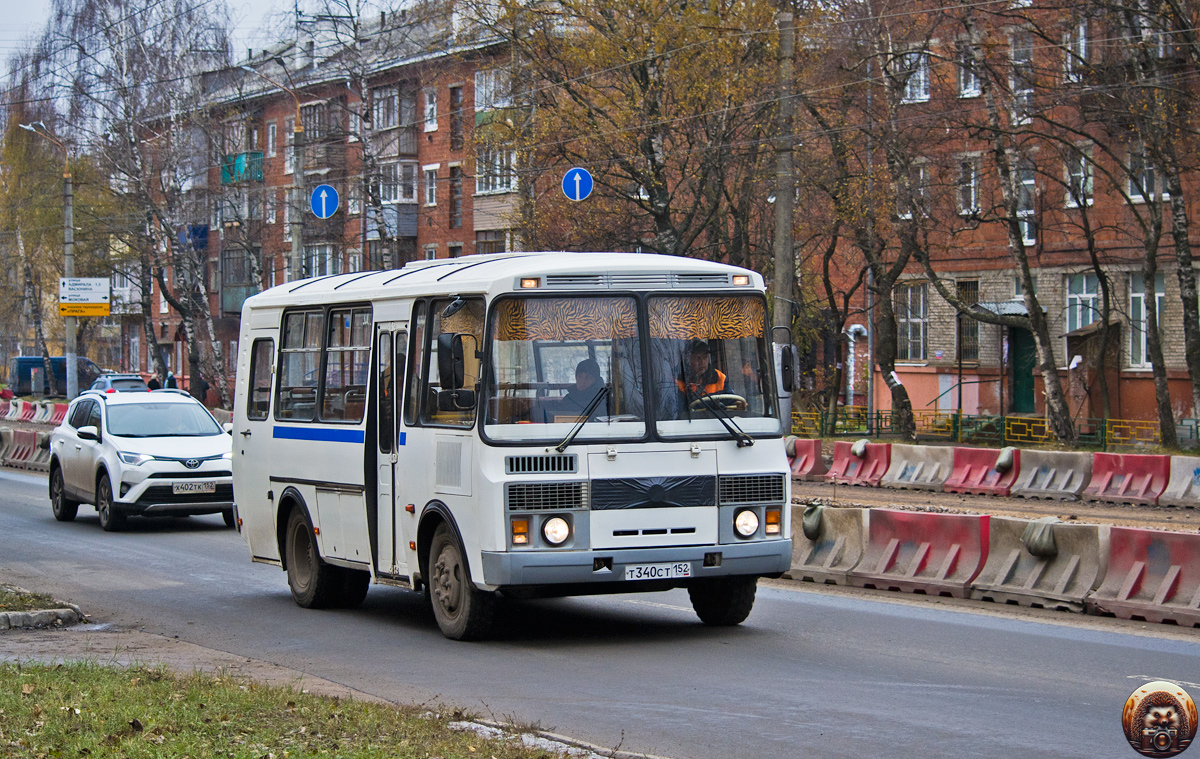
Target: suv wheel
[(111, 519), (64, 508)]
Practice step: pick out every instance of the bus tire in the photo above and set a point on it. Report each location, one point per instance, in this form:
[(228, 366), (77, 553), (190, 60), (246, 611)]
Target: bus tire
[(355, 584), (314, 584), (723, 601), (227, 515), (64, 508), (462, 611)]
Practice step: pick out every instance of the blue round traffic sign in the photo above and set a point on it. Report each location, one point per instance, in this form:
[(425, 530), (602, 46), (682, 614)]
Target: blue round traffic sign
[(577, 184), (324, 201)]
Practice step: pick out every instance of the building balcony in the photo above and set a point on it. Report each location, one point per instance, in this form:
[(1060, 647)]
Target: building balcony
[(242, 167), (233, 296)]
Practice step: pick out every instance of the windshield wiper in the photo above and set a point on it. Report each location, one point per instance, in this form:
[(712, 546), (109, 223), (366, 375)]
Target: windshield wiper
[(600, 395), (722, 416)]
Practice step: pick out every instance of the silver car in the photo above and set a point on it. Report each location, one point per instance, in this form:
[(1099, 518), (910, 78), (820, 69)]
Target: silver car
[(159, 453)]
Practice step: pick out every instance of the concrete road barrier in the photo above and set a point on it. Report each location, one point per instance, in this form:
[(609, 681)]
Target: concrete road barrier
[(835, 545), (59, 415), (1060, 475), (28, 409), (14, 410), (6, 442), (867, 469), (933, 554), (1127, 478), (1183, 489), (983, 471), (804, 454), (1060, 579), (918, 467), (4, 407), (40, 460), (23, 449), (1153, 575)]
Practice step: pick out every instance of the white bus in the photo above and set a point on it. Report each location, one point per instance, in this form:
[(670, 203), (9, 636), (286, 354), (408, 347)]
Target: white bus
[(521, 424)]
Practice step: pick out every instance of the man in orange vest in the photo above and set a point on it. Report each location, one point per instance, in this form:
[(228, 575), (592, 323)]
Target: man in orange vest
[(701, 378)]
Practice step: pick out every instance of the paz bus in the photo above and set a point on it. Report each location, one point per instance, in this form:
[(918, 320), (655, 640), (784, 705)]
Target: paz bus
[(521, 425)]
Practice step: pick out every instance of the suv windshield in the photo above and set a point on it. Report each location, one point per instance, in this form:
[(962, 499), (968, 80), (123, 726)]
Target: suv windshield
[(160, 420), (709, 360), (552, 357)]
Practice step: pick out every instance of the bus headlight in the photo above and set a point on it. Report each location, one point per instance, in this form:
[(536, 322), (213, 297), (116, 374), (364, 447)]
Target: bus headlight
[(745, 523), (556, 531)]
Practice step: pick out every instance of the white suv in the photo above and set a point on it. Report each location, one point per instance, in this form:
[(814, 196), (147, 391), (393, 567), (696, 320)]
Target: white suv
[(151, 454)]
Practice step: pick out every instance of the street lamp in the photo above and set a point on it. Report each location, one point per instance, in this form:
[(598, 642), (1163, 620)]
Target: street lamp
[(297, 211), (70, 323)]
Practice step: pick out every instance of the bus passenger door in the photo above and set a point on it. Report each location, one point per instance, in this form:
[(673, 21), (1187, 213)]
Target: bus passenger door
[(392, 537), (252, 440)]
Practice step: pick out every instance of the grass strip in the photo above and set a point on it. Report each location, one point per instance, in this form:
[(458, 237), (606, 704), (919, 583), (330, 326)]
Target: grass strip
[(86, 709), (15, 599)]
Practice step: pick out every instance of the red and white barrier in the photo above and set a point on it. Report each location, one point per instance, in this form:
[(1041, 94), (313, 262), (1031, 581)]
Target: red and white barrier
[(1127, 478), (865, 469), (934, 554), (983, 471), (1153, 575), (804, 455)]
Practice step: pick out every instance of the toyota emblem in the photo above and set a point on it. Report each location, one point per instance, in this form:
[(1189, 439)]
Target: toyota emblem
[(192, 463)]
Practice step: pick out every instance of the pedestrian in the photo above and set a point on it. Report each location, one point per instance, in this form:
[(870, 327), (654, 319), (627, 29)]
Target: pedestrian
[(200, 390), (154, 384), (171, 380)]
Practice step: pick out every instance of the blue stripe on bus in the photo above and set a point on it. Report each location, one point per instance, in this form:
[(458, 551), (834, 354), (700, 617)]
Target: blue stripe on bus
[(403, 438), (319, 433)]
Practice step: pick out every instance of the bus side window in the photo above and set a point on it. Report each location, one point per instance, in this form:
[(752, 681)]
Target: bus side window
[(344, 393), (468, 322), (386, 393), (415, 357), (262, 360), (299, 366)]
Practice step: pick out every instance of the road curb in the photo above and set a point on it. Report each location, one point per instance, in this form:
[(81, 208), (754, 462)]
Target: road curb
[(41, 618)]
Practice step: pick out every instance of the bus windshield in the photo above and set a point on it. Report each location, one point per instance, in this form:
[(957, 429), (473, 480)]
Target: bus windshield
[(709, 365), (558, 361)]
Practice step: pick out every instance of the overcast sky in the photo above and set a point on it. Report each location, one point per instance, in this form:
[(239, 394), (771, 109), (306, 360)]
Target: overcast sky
[(25, 18)]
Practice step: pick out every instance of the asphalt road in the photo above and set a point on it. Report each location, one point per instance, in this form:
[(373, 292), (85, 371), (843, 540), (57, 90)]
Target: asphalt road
[(810, 674)]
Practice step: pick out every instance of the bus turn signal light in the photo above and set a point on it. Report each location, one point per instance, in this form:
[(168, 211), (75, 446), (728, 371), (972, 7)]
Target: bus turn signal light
[(520, 532), (774, 521), (528, 283), (741, 280)]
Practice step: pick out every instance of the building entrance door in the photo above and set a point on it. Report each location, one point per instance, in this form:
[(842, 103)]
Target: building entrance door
[(1024, 359)]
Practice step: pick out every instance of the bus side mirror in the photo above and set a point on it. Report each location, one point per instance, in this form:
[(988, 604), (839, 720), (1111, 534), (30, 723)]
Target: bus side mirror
[(451, 368), (787, 368)]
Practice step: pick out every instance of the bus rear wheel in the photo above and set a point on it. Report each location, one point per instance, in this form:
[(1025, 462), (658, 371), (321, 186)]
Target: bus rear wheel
[(314, 584), (723, 601), (462, 611)]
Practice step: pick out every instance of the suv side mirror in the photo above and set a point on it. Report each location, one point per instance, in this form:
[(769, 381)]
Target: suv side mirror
[(451, 367), (228, 427), (89, 433)]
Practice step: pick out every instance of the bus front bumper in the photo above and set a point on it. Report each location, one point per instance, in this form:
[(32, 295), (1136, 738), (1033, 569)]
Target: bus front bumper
[(543, 568)]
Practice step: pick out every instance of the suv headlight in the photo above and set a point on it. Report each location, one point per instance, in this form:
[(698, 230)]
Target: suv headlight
[(136, 459)]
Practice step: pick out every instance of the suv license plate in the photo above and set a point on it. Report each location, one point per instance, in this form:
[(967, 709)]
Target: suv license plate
[(658, 571), (181, 488)]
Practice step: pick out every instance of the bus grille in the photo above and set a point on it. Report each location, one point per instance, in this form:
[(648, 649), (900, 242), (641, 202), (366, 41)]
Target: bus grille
[(544, 496), (751, 488), (540, 464)]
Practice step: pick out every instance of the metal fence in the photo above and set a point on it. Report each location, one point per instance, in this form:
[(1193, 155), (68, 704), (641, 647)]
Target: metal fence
[(935, 426)]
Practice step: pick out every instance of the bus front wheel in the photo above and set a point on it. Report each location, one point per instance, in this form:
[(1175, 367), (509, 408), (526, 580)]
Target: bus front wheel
[(723, 601), (314, 584), (462, 611)]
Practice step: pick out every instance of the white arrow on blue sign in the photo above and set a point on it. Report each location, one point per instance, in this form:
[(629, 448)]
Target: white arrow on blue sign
[(577, 184), (324, 201)]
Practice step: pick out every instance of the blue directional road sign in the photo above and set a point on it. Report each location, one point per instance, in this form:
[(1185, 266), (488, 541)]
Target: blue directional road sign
[(324, 201), (577, 184)]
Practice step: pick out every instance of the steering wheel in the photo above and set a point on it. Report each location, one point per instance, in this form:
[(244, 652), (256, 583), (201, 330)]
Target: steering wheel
[(727, 401)]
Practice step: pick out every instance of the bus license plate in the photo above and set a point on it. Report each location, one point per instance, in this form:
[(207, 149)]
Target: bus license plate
[(181, 488), (658, 571)]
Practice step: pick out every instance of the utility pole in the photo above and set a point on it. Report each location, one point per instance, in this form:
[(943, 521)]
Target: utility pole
[(785, 257), (69, 271)]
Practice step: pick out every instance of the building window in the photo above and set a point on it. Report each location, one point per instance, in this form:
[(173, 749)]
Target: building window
[(494, 171), (269, 201), (493, 89), (1021, 50), (315, 118), (968, 80), (454, 251), (353, 261), (1075, 51), (1082, 300), (456, 197), (914, 71), (456, 118), (1026, 200), (388, 189), (321, 260), (431, 185), (1079, 177), (914, 193), (385, 107), (968, 328), (430, 252), (430, 110), (912, 321), (1144, 180), (271, 140), (490, 241), (289, 149), (1139, 351), (968, 186)]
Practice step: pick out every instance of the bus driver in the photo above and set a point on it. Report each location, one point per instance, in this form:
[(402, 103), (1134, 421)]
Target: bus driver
[(700, 379)]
